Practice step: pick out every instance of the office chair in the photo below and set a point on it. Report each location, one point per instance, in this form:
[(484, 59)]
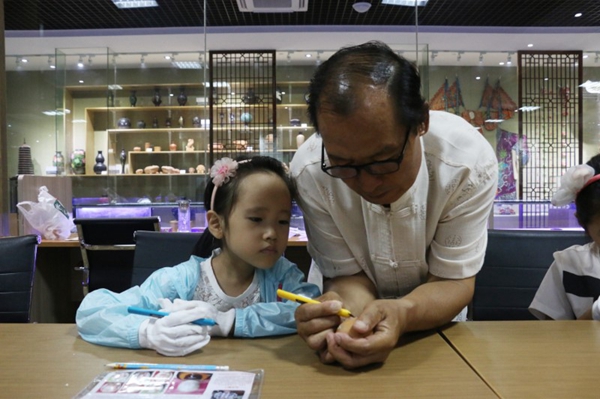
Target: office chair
[(154, 250), (107, 249), (17, 270), (515, 263)]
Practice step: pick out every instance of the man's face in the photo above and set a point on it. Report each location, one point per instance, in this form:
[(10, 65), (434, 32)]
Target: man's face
[(371, 134)]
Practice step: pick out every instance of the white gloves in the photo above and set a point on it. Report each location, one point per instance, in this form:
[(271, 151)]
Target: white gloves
[(173, 335), (224, 320), (596, 310)]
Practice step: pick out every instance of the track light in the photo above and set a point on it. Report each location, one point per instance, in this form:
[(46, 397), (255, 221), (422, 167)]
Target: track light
[(433, 55), (597, 59), (143, 60), (459, 56), (481, 57), (51, 63), (509, 59), (289, 57), (318, 60), (18, 61), (80, 62), (90, 60)]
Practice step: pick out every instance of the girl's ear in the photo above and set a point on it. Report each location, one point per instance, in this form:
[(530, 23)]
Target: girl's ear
[(216, 224)]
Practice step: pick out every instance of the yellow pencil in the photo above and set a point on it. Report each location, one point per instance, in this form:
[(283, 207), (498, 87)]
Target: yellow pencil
[(303, 299)]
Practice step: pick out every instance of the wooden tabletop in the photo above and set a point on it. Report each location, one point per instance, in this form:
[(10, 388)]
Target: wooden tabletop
[(532, 359), (50, 361), (74, 242)]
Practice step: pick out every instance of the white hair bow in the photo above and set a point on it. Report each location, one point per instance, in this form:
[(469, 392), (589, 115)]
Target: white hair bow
[(571, 183)]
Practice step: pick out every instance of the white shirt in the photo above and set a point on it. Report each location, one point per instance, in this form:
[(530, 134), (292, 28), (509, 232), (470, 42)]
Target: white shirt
[(571, 284), (439, 225)]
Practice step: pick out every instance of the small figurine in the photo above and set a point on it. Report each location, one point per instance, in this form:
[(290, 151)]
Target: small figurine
[(190, 145), (200, 169), (180, 121)]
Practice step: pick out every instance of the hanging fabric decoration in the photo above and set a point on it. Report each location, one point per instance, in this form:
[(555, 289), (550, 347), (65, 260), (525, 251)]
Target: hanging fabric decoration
[(447, 97), (503, 103), (512, 154)]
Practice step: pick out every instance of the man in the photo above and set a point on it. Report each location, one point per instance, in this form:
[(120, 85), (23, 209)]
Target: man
[(395, 202)]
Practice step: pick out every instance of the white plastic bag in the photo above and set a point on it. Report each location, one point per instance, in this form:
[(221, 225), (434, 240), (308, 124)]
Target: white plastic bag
[(48, 216)]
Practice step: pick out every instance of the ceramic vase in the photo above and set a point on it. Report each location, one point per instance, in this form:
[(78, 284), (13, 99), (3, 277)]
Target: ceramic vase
[(123, 158), (78, 162), (155, 122), (59, 162), (182, 98), (99, 167), (299, 140), (132, 99), (156, 100)]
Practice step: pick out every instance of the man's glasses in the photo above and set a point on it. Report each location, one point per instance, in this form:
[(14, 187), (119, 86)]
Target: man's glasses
[(373, 168)]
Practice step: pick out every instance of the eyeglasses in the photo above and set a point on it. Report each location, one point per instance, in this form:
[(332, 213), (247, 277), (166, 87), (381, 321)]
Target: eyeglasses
[(373, 168)]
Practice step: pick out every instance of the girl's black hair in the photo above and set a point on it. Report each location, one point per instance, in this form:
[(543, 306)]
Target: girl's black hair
[(227, 194), (587, 202)]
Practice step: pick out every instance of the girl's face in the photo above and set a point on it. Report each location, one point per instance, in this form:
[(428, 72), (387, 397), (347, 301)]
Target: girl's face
[(259, 223), (593, 229)]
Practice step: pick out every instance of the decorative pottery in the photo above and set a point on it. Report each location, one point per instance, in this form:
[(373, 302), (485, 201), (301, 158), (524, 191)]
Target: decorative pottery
[(246, 117), (295, 122), (99, 167), (141, 124), (168, 122), (172, 147), (182, 98), (78, 162), (59, 162), (132, 99), (299, 140), (156, 100), (250, 97), (123, 158), (124, 123), (155, 122), (180, 121), (196, 121)]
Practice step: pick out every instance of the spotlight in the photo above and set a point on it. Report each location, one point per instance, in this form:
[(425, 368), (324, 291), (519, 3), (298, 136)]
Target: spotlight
[(361, 6), (143, 60), (80, 62), (289, 57), (459, 56), (318, 60), (597, 59), (90, 59), (18, 61), (433, 55), (509, 59), (51, 63), (481, 57)]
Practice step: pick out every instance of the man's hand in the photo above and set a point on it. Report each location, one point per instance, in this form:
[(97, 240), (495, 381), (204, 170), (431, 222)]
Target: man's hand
[(386, 319), (315, 321)]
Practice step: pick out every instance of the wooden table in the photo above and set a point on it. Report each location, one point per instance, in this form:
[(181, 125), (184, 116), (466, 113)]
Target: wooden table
[(532, 359), (51, 361)]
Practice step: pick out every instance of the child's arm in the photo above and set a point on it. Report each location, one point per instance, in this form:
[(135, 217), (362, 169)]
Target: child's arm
[(102, 317), (274, 316)]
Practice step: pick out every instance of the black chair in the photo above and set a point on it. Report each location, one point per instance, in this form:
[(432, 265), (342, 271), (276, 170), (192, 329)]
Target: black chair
[(17, 270), (107, 249), (155, 250), (515, 263)]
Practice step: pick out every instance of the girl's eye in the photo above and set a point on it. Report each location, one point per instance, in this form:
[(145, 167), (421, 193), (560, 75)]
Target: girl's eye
[(255, 219), (286, 222)]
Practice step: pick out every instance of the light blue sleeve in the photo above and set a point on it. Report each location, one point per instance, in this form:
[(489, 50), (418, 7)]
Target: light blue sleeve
[(102, 317), (274, 316)]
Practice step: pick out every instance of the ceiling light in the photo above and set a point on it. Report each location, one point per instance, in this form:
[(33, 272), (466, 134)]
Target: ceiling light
[(143, 60), (24, 60), (51, 63), (361, 6), (186, 64), (481, 57), (90, 59), (410, 3), (459, 56), (80, 62), (289, 57), (530, 45), (18, 61), (597, 59), (509, 59), (578, 15), (135, 3), (433, 55), (308, 55)]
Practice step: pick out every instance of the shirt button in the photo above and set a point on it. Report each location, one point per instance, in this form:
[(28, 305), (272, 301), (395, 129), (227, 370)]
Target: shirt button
[(393, 264)]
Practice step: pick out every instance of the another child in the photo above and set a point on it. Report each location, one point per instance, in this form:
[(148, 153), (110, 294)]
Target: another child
[(571, 287), (248, 206)]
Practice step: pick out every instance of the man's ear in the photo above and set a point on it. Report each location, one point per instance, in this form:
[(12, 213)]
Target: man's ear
[(216, 224)]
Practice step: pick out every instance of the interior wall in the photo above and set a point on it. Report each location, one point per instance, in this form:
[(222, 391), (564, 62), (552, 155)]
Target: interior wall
[(4, 199)]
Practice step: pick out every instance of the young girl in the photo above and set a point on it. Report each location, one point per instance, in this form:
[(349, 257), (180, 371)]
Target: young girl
[(248, 206), (571, 286)]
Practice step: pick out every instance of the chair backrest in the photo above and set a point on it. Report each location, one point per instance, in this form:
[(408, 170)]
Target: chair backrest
[(107, 249), (17, 270), (155, 250), (514, 266)]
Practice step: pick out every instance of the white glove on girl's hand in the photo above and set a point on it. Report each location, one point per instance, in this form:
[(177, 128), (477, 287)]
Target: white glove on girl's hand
[(596, 310), (173, 335), (224, 320)]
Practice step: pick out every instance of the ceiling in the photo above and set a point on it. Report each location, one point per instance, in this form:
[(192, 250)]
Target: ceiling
[(458, 31)]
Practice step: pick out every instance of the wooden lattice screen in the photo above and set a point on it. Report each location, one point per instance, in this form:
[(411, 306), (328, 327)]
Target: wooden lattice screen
[(553, 132), (242, 103)]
